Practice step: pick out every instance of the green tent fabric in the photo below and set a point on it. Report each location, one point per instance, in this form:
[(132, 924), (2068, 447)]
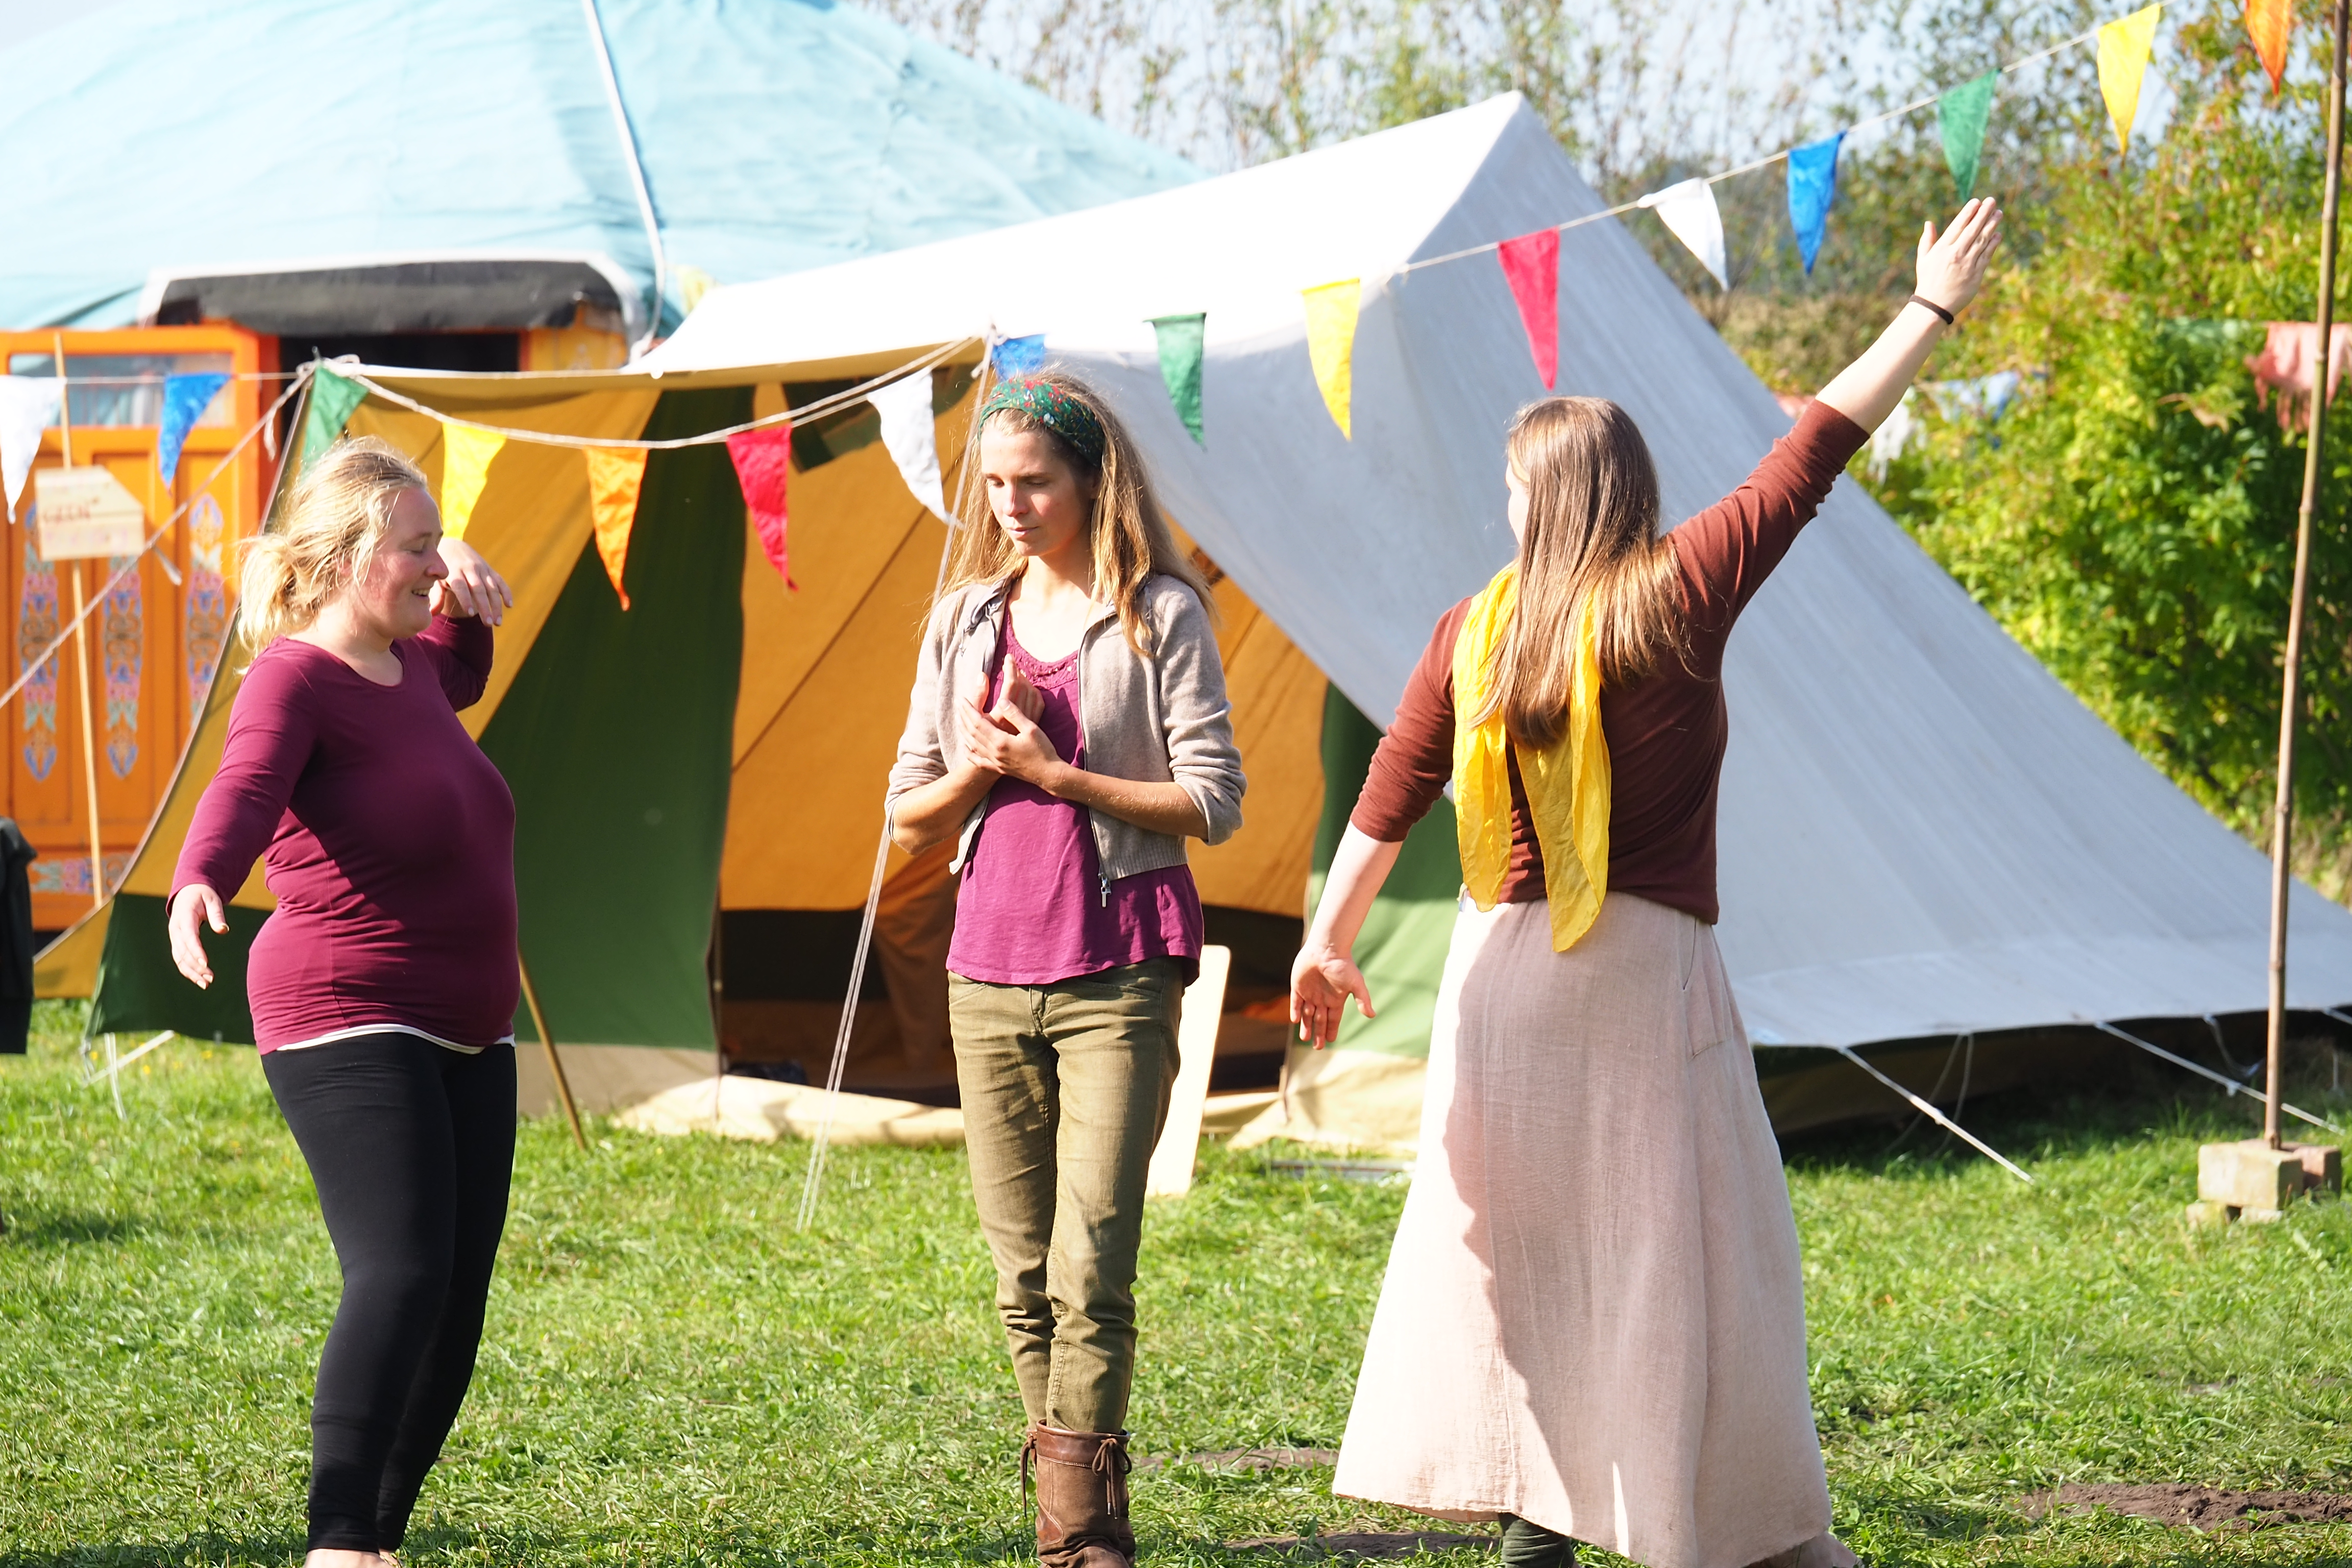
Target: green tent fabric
[(138, 988), (616, 739), (1401, 949)]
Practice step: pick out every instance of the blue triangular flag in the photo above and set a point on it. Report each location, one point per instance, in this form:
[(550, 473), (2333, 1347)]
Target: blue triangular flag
[(1018, 356), (1813, 186), (185, 398)]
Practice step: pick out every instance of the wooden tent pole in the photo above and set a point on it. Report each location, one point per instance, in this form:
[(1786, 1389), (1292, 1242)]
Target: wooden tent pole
[(2291, 696), (81, 642), (554, 1062)]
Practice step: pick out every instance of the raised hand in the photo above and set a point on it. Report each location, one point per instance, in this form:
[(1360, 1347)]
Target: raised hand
[(1952, 265), (473, 586), (1951, 270)]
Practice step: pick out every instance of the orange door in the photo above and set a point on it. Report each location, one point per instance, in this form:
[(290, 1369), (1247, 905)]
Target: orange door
[(150, 644)]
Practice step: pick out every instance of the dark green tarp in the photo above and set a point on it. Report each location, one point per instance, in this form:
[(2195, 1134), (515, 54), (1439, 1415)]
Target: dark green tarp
[(1401, 949), (617, 741)]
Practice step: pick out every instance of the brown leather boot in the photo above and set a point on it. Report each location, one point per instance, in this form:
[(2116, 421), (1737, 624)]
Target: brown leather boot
[(1081, 1479)]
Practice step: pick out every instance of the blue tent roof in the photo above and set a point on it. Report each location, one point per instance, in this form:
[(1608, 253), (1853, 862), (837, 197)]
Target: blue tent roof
[(775, 135)]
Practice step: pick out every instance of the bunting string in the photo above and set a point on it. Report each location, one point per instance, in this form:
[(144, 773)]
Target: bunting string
[(131, 564), (1621, 208), (862, 393)]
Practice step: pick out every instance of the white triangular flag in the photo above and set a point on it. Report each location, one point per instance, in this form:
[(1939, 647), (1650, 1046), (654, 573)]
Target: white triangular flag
[(1689, 210), (29, 405), (904, 406)]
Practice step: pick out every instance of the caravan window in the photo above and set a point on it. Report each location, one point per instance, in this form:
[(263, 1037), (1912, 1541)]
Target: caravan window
[(126, 389)]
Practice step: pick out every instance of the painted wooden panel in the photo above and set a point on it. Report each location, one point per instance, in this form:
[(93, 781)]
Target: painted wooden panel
[(152, 642)]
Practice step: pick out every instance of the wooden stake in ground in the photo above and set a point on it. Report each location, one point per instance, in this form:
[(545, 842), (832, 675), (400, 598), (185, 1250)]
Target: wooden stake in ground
[(2282, 814), (554, 1062)]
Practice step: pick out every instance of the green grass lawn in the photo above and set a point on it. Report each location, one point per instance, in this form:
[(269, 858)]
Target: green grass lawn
[(673, 1376)]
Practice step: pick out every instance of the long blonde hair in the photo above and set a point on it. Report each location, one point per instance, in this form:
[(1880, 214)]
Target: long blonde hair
[(1591, 534), (1128, 533), (339, 511)]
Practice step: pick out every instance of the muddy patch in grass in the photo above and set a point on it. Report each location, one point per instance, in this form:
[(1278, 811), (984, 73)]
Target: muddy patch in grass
[(2196, 1508)]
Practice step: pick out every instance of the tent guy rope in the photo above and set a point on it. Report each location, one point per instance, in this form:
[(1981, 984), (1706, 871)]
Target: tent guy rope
[(813, 1183), (1927, 1109), (2232, 1085)]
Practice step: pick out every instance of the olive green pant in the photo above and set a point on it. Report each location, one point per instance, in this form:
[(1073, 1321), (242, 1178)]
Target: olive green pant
[(1065, 1090)]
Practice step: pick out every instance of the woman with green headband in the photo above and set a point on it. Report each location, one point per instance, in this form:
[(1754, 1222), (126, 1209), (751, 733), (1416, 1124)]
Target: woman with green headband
[(1069, 728)]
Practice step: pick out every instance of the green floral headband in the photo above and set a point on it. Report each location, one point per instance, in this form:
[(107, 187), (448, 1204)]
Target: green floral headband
[(1056, 409)]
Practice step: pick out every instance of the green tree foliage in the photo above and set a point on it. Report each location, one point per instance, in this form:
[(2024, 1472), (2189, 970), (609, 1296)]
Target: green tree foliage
[(2131, 519)]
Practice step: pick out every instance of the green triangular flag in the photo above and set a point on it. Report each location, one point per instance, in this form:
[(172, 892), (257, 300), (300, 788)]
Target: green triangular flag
[(1180, 366), (332, 398), (1960, 115)]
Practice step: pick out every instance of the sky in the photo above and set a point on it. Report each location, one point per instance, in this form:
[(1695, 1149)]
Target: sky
[(22, 19), (1757, 65)]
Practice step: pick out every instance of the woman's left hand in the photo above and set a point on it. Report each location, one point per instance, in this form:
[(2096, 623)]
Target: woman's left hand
[(473, 586), (1008, 742), (1952, 264)]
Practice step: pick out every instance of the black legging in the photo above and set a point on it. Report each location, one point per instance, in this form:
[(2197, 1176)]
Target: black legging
[(412, 1147)]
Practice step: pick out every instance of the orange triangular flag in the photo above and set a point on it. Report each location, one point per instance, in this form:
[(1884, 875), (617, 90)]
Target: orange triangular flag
[(2268, 23), (615, 476)]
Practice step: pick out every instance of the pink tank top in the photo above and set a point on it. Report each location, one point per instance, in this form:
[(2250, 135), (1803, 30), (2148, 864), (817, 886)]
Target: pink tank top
[(1034, 907)]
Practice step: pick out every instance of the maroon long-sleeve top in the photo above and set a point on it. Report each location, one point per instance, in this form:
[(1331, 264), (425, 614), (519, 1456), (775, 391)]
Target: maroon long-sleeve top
[(390, 843), (1666, 732)]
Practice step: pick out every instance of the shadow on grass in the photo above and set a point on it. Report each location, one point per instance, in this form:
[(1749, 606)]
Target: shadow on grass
[(2028, 1123), (32, 1230), (204, 1547), (1940, 1517), (501, 1548)]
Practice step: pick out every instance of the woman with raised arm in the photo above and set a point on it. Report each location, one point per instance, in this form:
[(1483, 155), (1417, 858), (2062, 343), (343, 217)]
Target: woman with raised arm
[(383, 987), (1593, 1324), (1069, 729)]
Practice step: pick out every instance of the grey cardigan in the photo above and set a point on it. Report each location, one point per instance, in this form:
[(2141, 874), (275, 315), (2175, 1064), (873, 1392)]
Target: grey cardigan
[(1159, 719)]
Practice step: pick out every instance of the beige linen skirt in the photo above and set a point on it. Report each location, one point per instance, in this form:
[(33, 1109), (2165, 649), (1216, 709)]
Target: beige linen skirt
[(1593, 1316)]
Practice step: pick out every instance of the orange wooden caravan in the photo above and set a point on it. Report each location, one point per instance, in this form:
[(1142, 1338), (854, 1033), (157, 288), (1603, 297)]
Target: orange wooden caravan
[(152, 647)]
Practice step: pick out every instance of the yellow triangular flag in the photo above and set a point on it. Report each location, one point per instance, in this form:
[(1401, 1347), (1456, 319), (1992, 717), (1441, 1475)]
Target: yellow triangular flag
[(466, 454), (2124, 45), (614, 477), (1331, 345)]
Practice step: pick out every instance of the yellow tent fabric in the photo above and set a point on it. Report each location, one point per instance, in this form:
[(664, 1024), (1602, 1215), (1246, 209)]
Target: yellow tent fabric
[(824, 671), (529, 522)]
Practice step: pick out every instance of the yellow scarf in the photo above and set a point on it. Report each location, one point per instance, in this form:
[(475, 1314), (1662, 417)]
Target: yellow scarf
[(1567, 785)]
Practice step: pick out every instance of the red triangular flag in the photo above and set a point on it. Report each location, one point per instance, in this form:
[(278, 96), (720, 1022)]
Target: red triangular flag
[(1531, 267), (2268, 23), (764, 461)]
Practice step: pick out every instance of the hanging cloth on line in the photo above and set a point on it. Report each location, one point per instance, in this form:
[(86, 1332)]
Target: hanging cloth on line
[(2288, 364), (1567, 782)]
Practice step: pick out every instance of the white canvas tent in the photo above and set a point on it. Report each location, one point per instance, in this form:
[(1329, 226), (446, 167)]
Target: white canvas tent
[(1923, 833)]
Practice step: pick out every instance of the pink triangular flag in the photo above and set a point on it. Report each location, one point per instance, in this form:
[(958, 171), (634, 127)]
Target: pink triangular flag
[(763, 461), (1531, 267)]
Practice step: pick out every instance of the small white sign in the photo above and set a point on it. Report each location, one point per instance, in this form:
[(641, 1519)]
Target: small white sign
[(86, 512)]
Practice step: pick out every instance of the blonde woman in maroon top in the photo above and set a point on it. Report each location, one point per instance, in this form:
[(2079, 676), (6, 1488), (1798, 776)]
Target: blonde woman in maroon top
[(382, 986), (1593, 1321)]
